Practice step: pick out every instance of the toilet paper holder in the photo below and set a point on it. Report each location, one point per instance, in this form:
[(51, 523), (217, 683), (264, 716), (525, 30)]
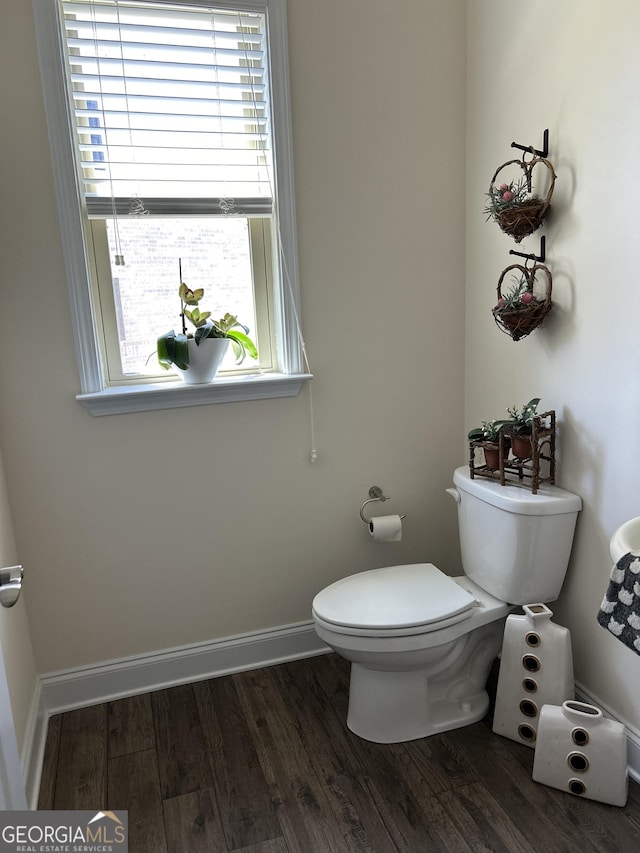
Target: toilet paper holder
[(375, 494)]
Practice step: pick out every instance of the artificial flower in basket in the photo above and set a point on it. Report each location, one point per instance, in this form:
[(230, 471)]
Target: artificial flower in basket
[(513, 205), (520, 310), (506, 197)]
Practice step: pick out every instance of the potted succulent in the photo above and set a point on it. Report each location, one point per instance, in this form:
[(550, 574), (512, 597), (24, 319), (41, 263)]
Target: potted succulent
[(489, 434), (198, 354), (521, 427)]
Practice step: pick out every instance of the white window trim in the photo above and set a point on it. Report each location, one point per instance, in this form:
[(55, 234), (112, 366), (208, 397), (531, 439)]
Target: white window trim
[(95, 395)]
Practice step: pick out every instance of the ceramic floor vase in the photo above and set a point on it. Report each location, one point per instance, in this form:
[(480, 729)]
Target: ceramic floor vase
[(205, 359), (581, 752), (536, 668)]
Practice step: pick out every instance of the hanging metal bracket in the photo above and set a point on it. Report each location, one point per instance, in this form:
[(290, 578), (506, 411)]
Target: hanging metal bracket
[(545, 146), (540, 258)]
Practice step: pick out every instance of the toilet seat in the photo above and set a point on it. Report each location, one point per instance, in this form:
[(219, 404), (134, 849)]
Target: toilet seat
[(394, 601)]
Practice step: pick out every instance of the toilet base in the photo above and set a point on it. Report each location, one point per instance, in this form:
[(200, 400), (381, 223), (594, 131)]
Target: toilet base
[(393, 707), (396, 705)]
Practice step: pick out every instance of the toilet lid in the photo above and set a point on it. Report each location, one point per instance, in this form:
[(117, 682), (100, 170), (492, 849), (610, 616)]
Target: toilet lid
[(395, 597)]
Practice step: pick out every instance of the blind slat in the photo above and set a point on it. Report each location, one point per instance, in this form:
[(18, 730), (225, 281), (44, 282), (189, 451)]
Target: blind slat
[(210, 206), (169, 103), (91, 48)]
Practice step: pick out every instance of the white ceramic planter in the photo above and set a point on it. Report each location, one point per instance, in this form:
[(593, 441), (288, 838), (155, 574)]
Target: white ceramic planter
[(204, 360), (579, 751), (536, 668)]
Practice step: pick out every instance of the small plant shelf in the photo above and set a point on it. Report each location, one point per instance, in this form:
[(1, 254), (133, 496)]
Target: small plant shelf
[(531, 471)]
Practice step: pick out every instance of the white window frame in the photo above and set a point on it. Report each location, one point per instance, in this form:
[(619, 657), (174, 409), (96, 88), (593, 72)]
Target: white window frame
[(95, 394), (260, 246)]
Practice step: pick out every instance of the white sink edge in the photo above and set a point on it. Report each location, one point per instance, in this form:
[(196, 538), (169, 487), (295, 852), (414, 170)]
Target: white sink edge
[(625, 540)]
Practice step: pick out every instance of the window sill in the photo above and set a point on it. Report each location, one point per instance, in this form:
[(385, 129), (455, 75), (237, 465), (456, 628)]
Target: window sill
[(147, 398)]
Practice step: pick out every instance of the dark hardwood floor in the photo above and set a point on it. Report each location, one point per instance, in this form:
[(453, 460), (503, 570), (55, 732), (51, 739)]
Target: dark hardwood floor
[(262, 762)]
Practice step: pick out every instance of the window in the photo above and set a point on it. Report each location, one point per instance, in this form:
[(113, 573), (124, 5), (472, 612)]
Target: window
[(168, 153)]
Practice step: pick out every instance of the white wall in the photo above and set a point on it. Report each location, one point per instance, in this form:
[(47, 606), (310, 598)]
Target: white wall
[(572, 67), (129, 548)]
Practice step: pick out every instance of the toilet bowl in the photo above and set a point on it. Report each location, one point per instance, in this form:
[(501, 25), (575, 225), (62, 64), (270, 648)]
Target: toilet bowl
[(421, 643), (402, 667)]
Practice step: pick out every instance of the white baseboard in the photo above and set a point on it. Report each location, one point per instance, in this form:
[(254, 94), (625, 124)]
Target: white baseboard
[(34, 744), (91, 685), (633, 736), (104, 682)]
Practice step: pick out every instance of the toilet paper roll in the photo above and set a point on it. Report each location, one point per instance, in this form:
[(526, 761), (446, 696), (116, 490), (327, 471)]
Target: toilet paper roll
[(386, 528)]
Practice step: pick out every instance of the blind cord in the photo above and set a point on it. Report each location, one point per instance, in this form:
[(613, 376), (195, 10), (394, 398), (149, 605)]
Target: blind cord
[(313, 452)]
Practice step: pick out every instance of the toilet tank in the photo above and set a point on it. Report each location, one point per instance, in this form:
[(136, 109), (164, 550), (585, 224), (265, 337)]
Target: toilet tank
[(514, 544)]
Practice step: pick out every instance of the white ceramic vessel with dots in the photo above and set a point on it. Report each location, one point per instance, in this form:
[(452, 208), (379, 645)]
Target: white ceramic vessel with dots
[(536, 668), (581, 752)]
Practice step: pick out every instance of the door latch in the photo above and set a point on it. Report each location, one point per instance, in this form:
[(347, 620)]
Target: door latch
[(10, 585)]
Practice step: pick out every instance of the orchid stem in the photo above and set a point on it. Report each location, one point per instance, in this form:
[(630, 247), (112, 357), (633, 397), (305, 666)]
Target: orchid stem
[(184, 324)]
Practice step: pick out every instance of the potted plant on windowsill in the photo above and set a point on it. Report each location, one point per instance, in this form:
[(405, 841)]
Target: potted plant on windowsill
[(489, 435), (197, 355)]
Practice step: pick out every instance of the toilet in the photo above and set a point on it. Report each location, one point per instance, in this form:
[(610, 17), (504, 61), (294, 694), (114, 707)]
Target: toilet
[(421, 643)]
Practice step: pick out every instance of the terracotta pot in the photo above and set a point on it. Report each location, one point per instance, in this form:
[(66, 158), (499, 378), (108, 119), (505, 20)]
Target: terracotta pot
[(492, 457), (521, 446)]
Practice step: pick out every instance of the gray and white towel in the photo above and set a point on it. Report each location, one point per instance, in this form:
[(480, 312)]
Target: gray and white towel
[(620, 608)]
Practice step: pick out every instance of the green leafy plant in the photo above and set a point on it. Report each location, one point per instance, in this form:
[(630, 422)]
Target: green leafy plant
[(173, 347), (507, 196), (489, 431), (522, 418)]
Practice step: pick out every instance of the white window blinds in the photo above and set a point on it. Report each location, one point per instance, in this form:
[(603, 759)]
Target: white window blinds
[(170, 104)]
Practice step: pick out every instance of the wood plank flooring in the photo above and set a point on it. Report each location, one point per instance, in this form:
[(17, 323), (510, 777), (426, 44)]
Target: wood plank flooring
[(262, 762)]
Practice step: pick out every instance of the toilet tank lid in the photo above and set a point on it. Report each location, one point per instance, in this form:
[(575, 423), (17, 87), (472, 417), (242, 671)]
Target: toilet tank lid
[(550, 500), (393, 597)]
